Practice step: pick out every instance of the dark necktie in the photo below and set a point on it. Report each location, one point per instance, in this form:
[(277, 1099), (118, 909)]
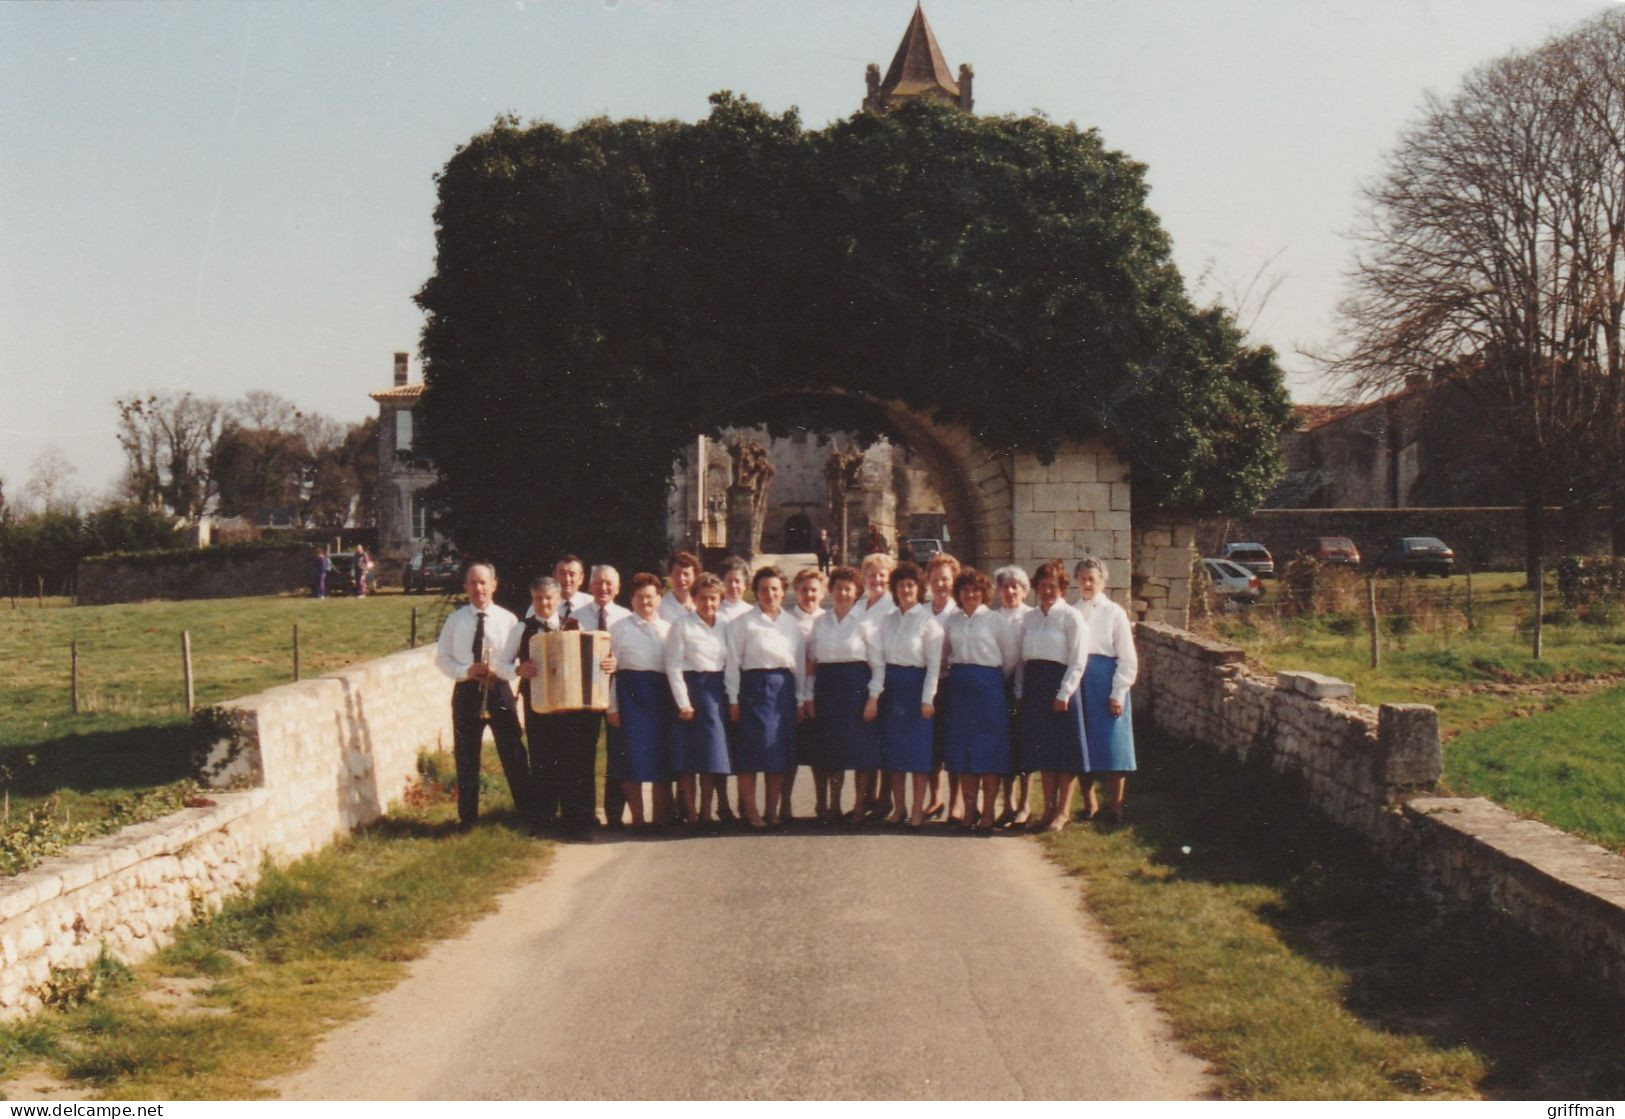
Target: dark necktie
[(603, 616), (564, 615), (479, 638), (532, 625)]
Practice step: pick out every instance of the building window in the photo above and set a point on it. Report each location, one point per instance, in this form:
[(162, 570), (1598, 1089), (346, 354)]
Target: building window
[(420, 517), (403, 429)]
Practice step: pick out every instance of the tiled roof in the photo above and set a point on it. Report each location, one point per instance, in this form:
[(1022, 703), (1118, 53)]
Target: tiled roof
[(398, 393), (918, 64)]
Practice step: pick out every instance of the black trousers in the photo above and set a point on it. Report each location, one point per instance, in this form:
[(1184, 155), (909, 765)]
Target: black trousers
[(563, 750), (468, 732)]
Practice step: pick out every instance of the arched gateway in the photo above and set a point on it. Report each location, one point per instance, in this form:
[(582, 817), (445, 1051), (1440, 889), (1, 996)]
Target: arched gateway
[(993, 290), (1006, 506)]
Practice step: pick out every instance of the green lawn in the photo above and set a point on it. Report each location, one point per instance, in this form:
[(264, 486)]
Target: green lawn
[(1541, 737), (132, 730)]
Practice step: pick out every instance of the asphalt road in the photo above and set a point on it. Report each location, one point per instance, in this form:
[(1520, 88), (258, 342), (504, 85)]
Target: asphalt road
[(799, 964)]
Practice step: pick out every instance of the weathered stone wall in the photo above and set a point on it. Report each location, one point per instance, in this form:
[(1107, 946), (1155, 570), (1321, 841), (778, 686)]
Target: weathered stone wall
[(205, 573), (1160, 588), (1370, 769), (294, 767)]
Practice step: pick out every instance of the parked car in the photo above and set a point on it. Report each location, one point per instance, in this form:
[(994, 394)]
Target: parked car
[(1233, 580), (1336, 551), (426, 573), (341, 579), (1254, 557), (921, 549), (1418, 555)]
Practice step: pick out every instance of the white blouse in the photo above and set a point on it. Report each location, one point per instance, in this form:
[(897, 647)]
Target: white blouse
[(912, 640), (757, 641), (1111, 635), (886, 605), (983, 638), (672, 610), (693, 646), (1015, 616), (728, 611), (638, 645), (587, 616), (842, 641), (1058, 636)]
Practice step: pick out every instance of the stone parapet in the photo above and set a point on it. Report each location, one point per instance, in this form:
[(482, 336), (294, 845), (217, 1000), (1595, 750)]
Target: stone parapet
[(1368, 769), (292, 768)]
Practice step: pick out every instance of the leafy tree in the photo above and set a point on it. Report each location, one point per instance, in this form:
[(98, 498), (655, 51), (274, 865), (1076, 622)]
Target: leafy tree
[(168, 441), (257, 469), (1491, 257), (602, 294)]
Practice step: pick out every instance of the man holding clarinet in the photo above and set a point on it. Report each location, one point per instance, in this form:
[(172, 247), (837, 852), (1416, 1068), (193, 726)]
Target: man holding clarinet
[(469, 652)]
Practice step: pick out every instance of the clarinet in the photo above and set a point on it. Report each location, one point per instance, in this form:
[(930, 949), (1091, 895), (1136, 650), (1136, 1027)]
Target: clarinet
[(485, 685)]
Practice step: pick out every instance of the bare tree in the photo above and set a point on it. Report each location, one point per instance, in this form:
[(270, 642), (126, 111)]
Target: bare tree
[(1483, 258), (168, 441), (51, 487), (265, 411)]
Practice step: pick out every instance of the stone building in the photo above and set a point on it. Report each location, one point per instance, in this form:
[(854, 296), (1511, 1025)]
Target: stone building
[(895, 493), (403, 473)]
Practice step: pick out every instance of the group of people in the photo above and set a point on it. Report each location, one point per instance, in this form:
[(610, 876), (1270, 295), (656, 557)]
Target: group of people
[(321, 570), (889, 676)]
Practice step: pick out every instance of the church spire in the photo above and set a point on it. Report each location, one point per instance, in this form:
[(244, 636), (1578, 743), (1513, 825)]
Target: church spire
[(918, 70)]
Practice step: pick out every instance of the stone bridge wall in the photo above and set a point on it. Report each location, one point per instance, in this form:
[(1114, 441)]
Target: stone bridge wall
[(1372, 770), (295, 767)]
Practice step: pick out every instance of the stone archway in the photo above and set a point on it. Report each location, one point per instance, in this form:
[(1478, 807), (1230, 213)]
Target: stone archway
[(1007, 507)]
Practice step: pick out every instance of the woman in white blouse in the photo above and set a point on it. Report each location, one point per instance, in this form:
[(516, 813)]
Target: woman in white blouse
[(982, 650), (765, 677), (940, 572), (696, 656), (735, 575), (876, 602), (1013, 587), (1112, 667), (808, 586), (843, 690), (640, 701), (908, 648), (1053, 650)]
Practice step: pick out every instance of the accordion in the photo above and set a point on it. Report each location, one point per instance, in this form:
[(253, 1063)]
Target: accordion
[(568, 677)]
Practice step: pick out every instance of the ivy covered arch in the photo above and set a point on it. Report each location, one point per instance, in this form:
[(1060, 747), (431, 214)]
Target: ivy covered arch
[(604, 293)]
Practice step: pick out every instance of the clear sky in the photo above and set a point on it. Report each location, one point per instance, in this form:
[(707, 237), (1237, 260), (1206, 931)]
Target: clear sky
[(229, 196)]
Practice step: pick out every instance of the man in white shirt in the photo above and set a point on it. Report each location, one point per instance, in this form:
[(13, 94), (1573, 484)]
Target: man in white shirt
[(469, 652), (569, 573), (601, 613)]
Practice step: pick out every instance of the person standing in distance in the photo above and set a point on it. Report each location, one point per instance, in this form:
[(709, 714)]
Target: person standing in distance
[(469, 652)]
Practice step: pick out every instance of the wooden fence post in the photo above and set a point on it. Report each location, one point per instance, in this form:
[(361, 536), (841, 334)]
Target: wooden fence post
[(296, 652), (186, 669), (73, 673), (1371, 617), (1540, 601), (412, 642)]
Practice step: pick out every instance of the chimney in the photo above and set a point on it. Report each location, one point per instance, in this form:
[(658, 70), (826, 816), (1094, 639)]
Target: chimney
[(871, 77), (400, 369), (966, 76)]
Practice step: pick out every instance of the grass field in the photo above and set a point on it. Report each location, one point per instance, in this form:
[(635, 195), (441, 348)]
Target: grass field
[(132, 729), (1541, 737)]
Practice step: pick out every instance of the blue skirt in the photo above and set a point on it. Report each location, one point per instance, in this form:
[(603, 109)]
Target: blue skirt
[(700, 745), (647, 714), (766, 742), (978, 735), (1050, 739), (1110, 739), (843, 692), (905, 737)]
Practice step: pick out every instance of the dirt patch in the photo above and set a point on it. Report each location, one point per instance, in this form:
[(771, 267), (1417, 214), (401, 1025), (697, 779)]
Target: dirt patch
[(37, 1084), (180, 994)]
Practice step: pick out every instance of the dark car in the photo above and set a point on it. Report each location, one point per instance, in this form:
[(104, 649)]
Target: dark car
[(921, 549), (1337, 551), (426, 573), (1418, 555), (1254, 557)]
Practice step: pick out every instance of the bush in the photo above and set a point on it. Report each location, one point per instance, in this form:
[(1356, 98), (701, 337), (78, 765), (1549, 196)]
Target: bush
[(1603, 615), (1582, 580)]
